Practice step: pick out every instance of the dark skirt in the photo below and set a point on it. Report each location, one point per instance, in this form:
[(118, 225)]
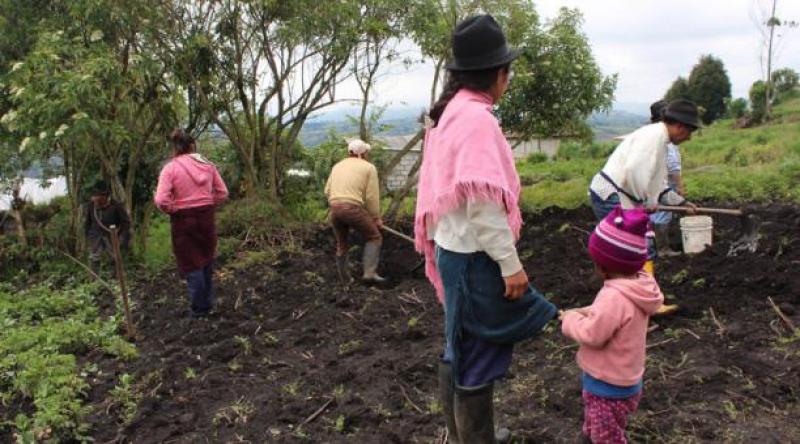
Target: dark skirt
[(194, 237), (481, 325)]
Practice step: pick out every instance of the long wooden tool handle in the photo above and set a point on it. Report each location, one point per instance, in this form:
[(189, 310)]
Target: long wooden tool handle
[(702, 210), (398, 234)]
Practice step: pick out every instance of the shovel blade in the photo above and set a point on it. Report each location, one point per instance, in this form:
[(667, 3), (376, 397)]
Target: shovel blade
[(749, 237)]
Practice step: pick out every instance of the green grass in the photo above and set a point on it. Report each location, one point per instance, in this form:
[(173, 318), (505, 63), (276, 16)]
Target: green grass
[(159, 245), (720, 163)]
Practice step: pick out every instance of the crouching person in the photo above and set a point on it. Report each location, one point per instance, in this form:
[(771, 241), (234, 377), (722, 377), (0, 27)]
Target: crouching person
[(354, 198)]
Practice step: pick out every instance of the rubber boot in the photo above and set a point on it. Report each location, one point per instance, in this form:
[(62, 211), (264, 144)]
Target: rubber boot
[(372, 257), (447, 398), (343, 269), (474, 414), (665, 309), (662, 241)]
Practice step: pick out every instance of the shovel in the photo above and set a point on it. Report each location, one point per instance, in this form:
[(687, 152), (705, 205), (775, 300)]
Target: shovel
[(749, 224), (408, 238)]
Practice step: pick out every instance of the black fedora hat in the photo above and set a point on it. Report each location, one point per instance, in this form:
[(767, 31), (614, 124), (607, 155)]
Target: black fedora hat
[(683, 111), (100, 187), (479, 43)]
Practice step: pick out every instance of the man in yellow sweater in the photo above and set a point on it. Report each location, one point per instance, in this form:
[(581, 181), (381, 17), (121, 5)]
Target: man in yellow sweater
[(354, 197)]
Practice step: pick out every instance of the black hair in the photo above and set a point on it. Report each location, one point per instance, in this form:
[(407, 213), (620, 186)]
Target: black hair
[(671, 121), (480, 80), (183, 142)]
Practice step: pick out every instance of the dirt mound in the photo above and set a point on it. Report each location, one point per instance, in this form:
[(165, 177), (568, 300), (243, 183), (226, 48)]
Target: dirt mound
[(294, 356)]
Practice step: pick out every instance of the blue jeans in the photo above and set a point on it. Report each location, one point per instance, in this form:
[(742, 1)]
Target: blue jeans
[(201, 289), (601, 207), (481, 325)]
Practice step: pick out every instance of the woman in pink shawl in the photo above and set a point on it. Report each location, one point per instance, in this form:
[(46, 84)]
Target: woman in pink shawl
[(467, 223)]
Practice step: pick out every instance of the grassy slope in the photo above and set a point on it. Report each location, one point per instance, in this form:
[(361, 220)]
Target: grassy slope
[(720, 163)]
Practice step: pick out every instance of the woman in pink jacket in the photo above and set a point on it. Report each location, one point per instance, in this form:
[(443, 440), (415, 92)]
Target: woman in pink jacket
[(612, 332), (189, 189)]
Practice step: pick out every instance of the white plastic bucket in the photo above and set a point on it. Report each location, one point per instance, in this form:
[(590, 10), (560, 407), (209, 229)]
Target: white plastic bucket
[(696, 233)]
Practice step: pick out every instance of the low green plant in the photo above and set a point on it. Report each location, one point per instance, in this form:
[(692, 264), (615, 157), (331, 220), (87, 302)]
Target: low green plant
[(189, 374), (349, 347), (43, 329), (237, 413), (340, 425), (244, 343), (126, 397)]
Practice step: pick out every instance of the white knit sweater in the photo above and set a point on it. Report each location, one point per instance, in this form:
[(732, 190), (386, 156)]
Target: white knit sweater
[(479, 226), (638, 167)]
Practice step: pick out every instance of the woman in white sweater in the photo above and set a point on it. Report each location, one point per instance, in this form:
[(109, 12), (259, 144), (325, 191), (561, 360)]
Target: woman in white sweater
[(636, 173)]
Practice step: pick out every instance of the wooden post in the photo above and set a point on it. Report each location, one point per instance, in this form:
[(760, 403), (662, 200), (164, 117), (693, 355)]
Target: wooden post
[(130, 327)]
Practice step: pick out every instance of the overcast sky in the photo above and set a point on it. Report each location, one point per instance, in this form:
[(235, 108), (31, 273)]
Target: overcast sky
[(648, 43)]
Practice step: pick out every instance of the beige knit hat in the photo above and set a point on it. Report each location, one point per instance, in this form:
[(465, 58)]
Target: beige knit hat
[(358, 146)]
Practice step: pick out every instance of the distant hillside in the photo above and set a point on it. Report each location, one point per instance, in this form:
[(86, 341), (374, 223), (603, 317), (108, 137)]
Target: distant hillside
[(614, 123), (403, 120)]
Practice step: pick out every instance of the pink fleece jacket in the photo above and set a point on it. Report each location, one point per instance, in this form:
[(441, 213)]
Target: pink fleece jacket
[(189, 181), (613, 331)]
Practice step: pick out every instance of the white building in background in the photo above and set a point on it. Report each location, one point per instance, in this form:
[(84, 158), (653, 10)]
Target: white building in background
[(394, 144)]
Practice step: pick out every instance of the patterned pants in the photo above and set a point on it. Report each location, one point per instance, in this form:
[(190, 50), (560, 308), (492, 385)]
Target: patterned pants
[(604, 419)]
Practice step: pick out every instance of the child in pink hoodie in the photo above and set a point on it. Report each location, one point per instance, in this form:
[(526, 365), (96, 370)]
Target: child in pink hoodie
[(612, 332)]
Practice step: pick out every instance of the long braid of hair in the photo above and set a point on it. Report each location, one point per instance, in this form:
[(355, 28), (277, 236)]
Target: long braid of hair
[(451, 87)]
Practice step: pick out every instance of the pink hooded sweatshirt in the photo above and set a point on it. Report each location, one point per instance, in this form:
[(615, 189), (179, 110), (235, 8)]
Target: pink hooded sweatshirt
[(613, 336), (189, 181)]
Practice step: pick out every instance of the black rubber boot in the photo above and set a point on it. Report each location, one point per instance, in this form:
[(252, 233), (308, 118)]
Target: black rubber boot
[(474, 412), (447, 398), (662, 241)]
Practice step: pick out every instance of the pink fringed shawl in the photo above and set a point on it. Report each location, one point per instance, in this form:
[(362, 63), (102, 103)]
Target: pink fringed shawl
[(466, 159)]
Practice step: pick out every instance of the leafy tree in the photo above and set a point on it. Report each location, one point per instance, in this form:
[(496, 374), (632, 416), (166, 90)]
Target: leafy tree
[(709, 86), (270, 63), (785, 80), (678, 90), (557, 83), (91, 92)]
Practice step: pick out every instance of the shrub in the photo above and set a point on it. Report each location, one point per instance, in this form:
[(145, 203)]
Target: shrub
[(535, 158), (758, 97), (737, 108)]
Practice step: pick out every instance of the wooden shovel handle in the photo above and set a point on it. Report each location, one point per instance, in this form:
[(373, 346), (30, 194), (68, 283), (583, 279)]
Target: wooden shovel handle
[(702, 210), (398, 234)]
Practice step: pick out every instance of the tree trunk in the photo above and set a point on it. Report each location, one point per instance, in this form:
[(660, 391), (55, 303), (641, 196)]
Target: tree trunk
[(143, 227), (17, 215), (771, 23)]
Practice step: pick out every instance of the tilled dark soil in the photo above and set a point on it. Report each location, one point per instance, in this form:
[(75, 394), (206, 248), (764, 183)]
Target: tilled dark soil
[(293, 356)]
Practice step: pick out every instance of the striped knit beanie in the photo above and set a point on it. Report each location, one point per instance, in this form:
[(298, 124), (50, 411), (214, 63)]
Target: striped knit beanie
[(618, 242)]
